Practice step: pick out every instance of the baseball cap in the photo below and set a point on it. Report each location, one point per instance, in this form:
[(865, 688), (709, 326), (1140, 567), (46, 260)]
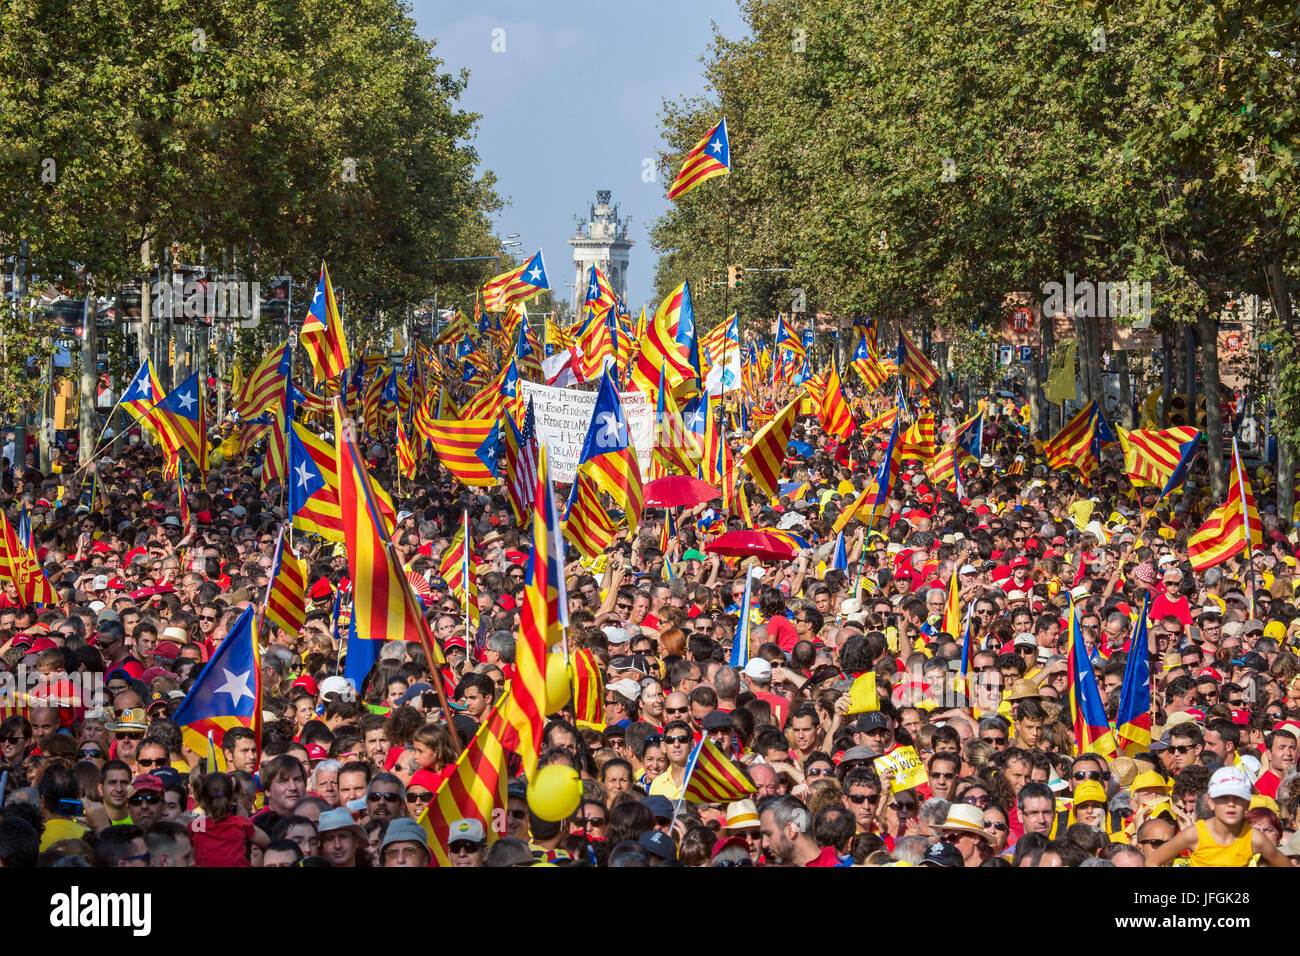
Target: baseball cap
[(1230, 782), (659, 805), (471, 830), (660, 844), (337, 685), (872, 720), (626, 687), (717, 720), (758, 669), (615, 635), (145, 782), (942, 854)]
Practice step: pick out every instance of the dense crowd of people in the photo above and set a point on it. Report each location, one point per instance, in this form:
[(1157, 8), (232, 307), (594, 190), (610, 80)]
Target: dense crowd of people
[(341, 773)]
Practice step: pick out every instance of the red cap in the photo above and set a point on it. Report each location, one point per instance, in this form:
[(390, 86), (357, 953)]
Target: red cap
[(425, 778), (308, 682), (315, 753), (983, 510), (455, 640), (1241, 717), (41, 644), (1210, 672), (101, 548), (320, 589), (167, 650), (506, 602), (1019, 561)]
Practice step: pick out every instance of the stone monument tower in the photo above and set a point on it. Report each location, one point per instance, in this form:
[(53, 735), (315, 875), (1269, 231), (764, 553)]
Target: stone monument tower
[(601, 240)]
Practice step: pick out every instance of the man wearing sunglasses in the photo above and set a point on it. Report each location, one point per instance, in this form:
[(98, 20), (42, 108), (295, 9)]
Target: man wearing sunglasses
[(145, 800), (385, 797)]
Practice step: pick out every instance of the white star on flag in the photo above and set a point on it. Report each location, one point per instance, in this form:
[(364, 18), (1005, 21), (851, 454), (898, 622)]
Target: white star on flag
[(716, 146), (534, 274), (304, 474), (612, 432), (236, 686), (186, 401)]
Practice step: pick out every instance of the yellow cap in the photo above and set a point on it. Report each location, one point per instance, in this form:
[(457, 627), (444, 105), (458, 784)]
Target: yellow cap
[(1089, 792)]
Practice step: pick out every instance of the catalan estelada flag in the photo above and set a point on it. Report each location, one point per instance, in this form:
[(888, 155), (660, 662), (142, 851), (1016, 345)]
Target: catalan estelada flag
[(1232, 527), (286, 592), (1133, 719), (711, 777), (20, 566), (313, 485), (141, 394), (1092, 731), (1077, 445), (767, 452), (265, 386), (608, 455), (710, 157), (476, 787), (182, 421), (407, 453), (888, 469), (917, 443), (467, 448), (543, 617), (866, 363), (913, 363), (228, 692), (322, 332), (378, 582), (836, 419), (520, 283), (662, 350), (1152, 457), (600, 294)]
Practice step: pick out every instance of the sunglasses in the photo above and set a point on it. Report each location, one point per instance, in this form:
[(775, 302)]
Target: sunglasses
[(744, 862), (1153, 842), (675, 710), (385, 797), (593, 823), (994, 825), (141, 798), (463, 846), (517, 814), (130, 735), (905, 806), (418, 796), (936, 775), (1091, 775), (14, 740), (91, 754), (822, 772), (979, 801), (1181, 749), (677, 739), (860, 798), (654, 740), (156, 762), (991, 740)]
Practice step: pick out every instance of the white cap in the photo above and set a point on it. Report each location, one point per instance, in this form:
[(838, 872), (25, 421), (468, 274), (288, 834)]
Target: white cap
[(626, 687), (1015, 595), (969, 569), (99, 582), (337, 685), (1025, 639), (1230, 782), (758, 668), (1082, 591), (615, 635), (1166, 559), (1251, 765)]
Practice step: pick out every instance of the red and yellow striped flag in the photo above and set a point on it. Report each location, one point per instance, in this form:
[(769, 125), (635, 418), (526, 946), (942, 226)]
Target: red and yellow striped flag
[(917, 443), (712, 778), (457, 569), (322, 332), (588, 687), (1152, 456), (476, 788), (377, 581), (540, 621), (286, 595), (836, 419), (767, 452), (1072, 446), (1233, 527)]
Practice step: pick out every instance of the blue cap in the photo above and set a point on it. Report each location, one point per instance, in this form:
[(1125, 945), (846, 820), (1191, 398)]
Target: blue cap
[(660, 844), (659, 805)]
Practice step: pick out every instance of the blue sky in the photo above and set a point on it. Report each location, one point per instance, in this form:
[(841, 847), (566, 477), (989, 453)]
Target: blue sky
[(572, 105)]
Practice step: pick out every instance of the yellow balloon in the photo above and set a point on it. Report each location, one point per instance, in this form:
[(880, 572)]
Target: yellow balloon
[(557, 683), (555, 792)]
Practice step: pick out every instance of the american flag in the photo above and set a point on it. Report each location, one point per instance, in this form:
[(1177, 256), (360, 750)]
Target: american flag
[(521, 464)]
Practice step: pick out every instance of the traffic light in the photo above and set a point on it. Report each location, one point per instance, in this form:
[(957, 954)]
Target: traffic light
[(734, 276), (716, 280)]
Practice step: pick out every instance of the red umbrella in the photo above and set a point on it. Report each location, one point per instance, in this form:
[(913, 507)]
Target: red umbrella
[(747, 543), (674, 491)]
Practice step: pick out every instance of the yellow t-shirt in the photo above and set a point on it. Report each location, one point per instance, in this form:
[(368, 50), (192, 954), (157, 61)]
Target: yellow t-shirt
[(61, 828), (664, 785)]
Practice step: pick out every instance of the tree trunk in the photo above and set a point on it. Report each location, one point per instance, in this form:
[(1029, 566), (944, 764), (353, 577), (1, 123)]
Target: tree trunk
[(1281, 297), (1125, 389), (1213, 419), (945, 399), (145, 339), (1189, 366), (88, 406), (1046, 426)]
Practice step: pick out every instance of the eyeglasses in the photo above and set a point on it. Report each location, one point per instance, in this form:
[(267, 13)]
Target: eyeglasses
[(418, 796), (462, 846), (745, 862), (141, 798), (155, 762), (677, 739), (820, 772), (517, 814), (385, 797), (623, 606), (860, 798)]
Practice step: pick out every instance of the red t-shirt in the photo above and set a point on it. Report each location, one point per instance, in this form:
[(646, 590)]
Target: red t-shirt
[(780, 629), (827, 857), (1162, 607), (1267, 784), (221, 844), (780, 705)]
